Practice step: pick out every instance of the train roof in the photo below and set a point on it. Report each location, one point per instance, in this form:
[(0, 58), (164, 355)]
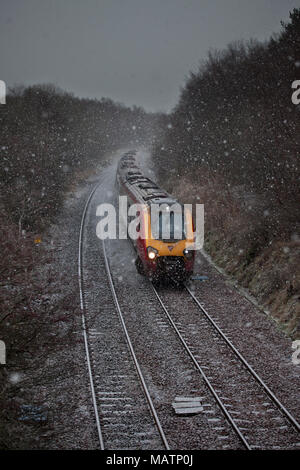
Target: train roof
[(143, 187)]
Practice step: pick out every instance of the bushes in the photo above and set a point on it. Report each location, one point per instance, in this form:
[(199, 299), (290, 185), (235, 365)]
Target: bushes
[(47, 136), (235, 119), (235, 138), (35, 297)]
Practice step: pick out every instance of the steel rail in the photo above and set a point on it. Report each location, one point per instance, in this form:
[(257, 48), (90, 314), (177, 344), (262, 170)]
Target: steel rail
[(83, 314), (137, 366), (211, 388), (275, 400)]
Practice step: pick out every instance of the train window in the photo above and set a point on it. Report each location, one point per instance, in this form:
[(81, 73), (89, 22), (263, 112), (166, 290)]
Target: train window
[(147, 186), (168, 226)]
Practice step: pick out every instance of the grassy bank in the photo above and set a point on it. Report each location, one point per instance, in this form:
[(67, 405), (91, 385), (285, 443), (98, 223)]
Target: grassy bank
[(51, 142), (232, 143)]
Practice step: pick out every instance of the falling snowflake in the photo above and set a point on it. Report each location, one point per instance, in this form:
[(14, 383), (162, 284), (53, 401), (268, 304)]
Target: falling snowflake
[(15, 378)]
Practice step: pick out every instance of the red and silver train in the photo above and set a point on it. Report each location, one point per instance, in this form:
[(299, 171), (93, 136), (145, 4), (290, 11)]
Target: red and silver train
[(157, 257)]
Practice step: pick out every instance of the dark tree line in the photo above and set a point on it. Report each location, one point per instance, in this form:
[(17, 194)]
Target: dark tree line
[(47, 137), (235, 123), (49, 141)]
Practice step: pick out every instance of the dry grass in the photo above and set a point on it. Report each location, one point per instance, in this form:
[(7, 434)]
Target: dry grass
[(240, 241), (37, 318)]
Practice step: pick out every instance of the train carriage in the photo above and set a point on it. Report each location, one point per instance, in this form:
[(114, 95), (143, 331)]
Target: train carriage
[(164, 244)]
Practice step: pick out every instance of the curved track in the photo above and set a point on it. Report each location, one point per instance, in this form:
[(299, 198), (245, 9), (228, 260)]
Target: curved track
[(273, 397), (88, 348), (83, 318), (207, 381), (250, 395), (134, 358), (195, 351)]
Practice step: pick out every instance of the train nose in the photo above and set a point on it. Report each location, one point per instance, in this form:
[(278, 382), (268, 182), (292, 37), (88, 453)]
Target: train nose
[(171, 263)]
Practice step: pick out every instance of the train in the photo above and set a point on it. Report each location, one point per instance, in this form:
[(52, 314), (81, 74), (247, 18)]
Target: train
[(157, 257)]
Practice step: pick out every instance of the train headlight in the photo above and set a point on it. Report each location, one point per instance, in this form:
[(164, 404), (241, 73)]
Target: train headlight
[(188, 253), (151, 252)]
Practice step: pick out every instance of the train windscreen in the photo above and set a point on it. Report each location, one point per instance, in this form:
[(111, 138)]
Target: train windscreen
[(168, 226)]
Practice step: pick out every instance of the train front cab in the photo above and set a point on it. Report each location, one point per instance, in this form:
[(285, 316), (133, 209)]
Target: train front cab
[(166, 259)]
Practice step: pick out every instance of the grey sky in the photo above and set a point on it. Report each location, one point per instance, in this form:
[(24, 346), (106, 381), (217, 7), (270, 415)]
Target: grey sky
[(134, 51)]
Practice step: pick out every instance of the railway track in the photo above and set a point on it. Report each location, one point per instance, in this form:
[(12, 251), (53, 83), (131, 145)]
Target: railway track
[(256, 415), (134, 358), (260, 381), (83, 319), (124, 412)]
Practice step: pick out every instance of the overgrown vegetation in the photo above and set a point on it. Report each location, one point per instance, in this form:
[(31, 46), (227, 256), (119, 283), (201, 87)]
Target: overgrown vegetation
[(234, 141), (47, 137), (50, 140)]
